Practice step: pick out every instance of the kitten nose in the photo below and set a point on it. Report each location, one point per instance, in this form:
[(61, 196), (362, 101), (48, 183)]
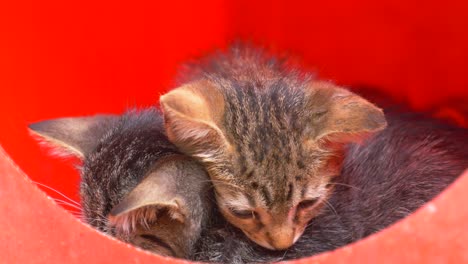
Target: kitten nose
[(282, 238)]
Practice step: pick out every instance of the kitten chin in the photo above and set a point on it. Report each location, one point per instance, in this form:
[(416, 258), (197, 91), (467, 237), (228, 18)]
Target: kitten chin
[(269, 134)]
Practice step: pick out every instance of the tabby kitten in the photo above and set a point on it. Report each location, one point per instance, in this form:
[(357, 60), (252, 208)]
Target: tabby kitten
[(382, 180), (271, 139), (135, 185)]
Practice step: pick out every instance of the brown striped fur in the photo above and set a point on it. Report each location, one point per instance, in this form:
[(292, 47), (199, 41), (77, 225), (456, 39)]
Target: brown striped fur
[(270, 137)]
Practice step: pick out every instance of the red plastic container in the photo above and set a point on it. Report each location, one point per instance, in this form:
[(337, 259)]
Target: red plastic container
[(62, 58)]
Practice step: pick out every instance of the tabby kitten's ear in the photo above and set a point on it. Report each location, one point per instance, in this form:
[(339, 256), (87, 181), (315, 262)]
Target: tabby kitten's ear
[(344, 116), (73, 135), (156, 195), (193, 115)]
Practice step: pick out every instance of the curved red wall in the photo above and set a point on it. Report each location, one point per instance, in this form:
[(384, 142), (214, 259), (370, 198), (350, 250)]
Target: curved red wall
[(61, 58)]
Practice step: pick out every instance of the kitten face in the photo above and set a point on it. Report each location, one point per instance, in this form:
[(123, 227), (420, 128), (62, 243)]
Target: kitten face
[(270, 148), (272, 202)]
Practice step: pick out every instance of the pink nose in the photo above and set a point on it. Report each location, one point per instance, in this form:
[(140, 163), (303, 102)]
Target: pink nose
[(282, 238)]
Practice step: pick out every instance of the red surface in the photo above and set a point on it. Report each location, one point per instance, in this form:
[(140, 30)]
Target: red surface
[(60, 58)]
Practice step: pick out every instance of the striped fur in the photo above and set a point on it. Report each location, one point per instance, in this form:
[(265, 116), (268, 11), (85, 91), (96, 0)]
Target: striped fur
[(269, 136)]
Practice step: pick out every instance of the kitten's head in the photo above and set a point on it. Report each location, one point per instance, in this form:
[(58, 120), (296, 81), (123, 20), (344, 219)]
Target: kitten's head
[(165, 212), (135, 186), (270, 147)]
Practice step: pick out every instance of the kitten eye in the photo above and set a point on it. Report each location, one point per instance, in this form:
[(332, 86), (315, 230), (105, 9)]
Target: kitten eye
[(307, 203), (319, 114), (244, 214), (156, 240)]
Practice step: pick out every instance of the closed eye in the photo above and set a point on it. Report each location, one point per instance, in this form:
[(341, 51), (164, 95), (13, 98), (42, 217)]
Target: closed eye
[(156, 240), (307, 204), (243, 214)]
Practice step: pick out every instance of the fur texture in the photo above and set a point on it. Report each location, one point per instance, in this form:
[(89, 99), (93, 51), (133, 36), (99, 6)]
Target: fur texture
[(135, 185), (383, 180), (270, 137), (279, 150)]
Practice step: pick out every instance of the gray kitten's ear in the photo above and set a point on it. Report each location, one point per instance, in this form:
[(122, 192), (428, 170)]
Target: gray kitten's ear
[(344, 116), (155, 195), (193, 115), (74, 135)]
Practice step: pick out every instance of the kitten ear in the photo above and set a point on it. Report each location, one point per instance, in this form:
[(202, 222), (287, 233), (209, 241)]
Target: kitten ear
[(155, 195), (192, 115), (74, 135), (346, 116)]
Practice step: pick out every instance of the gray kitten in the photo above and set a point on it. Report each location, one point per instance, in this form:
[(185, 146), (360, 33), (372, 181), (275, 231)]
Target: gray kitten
[(382, 180), (135, 185)]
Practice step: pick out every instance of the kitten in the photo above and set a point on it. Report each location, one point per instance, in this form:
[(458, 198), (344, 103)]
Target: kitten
[(382, 180), (271, 139), (135, 185)]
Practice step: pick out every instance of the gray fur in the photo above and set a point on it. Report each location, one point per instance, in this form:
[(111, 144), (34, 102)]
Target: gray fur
[(122, 152)]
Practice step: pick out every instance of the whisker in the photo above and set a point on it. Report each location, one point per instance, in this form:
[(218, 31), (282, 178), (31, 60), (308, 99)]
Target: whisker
[(72, 210), (329, 205), (284, 255), (66, 203), (52, 189), (103, 219), (75, 205), (346, 185), (77, 214)]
